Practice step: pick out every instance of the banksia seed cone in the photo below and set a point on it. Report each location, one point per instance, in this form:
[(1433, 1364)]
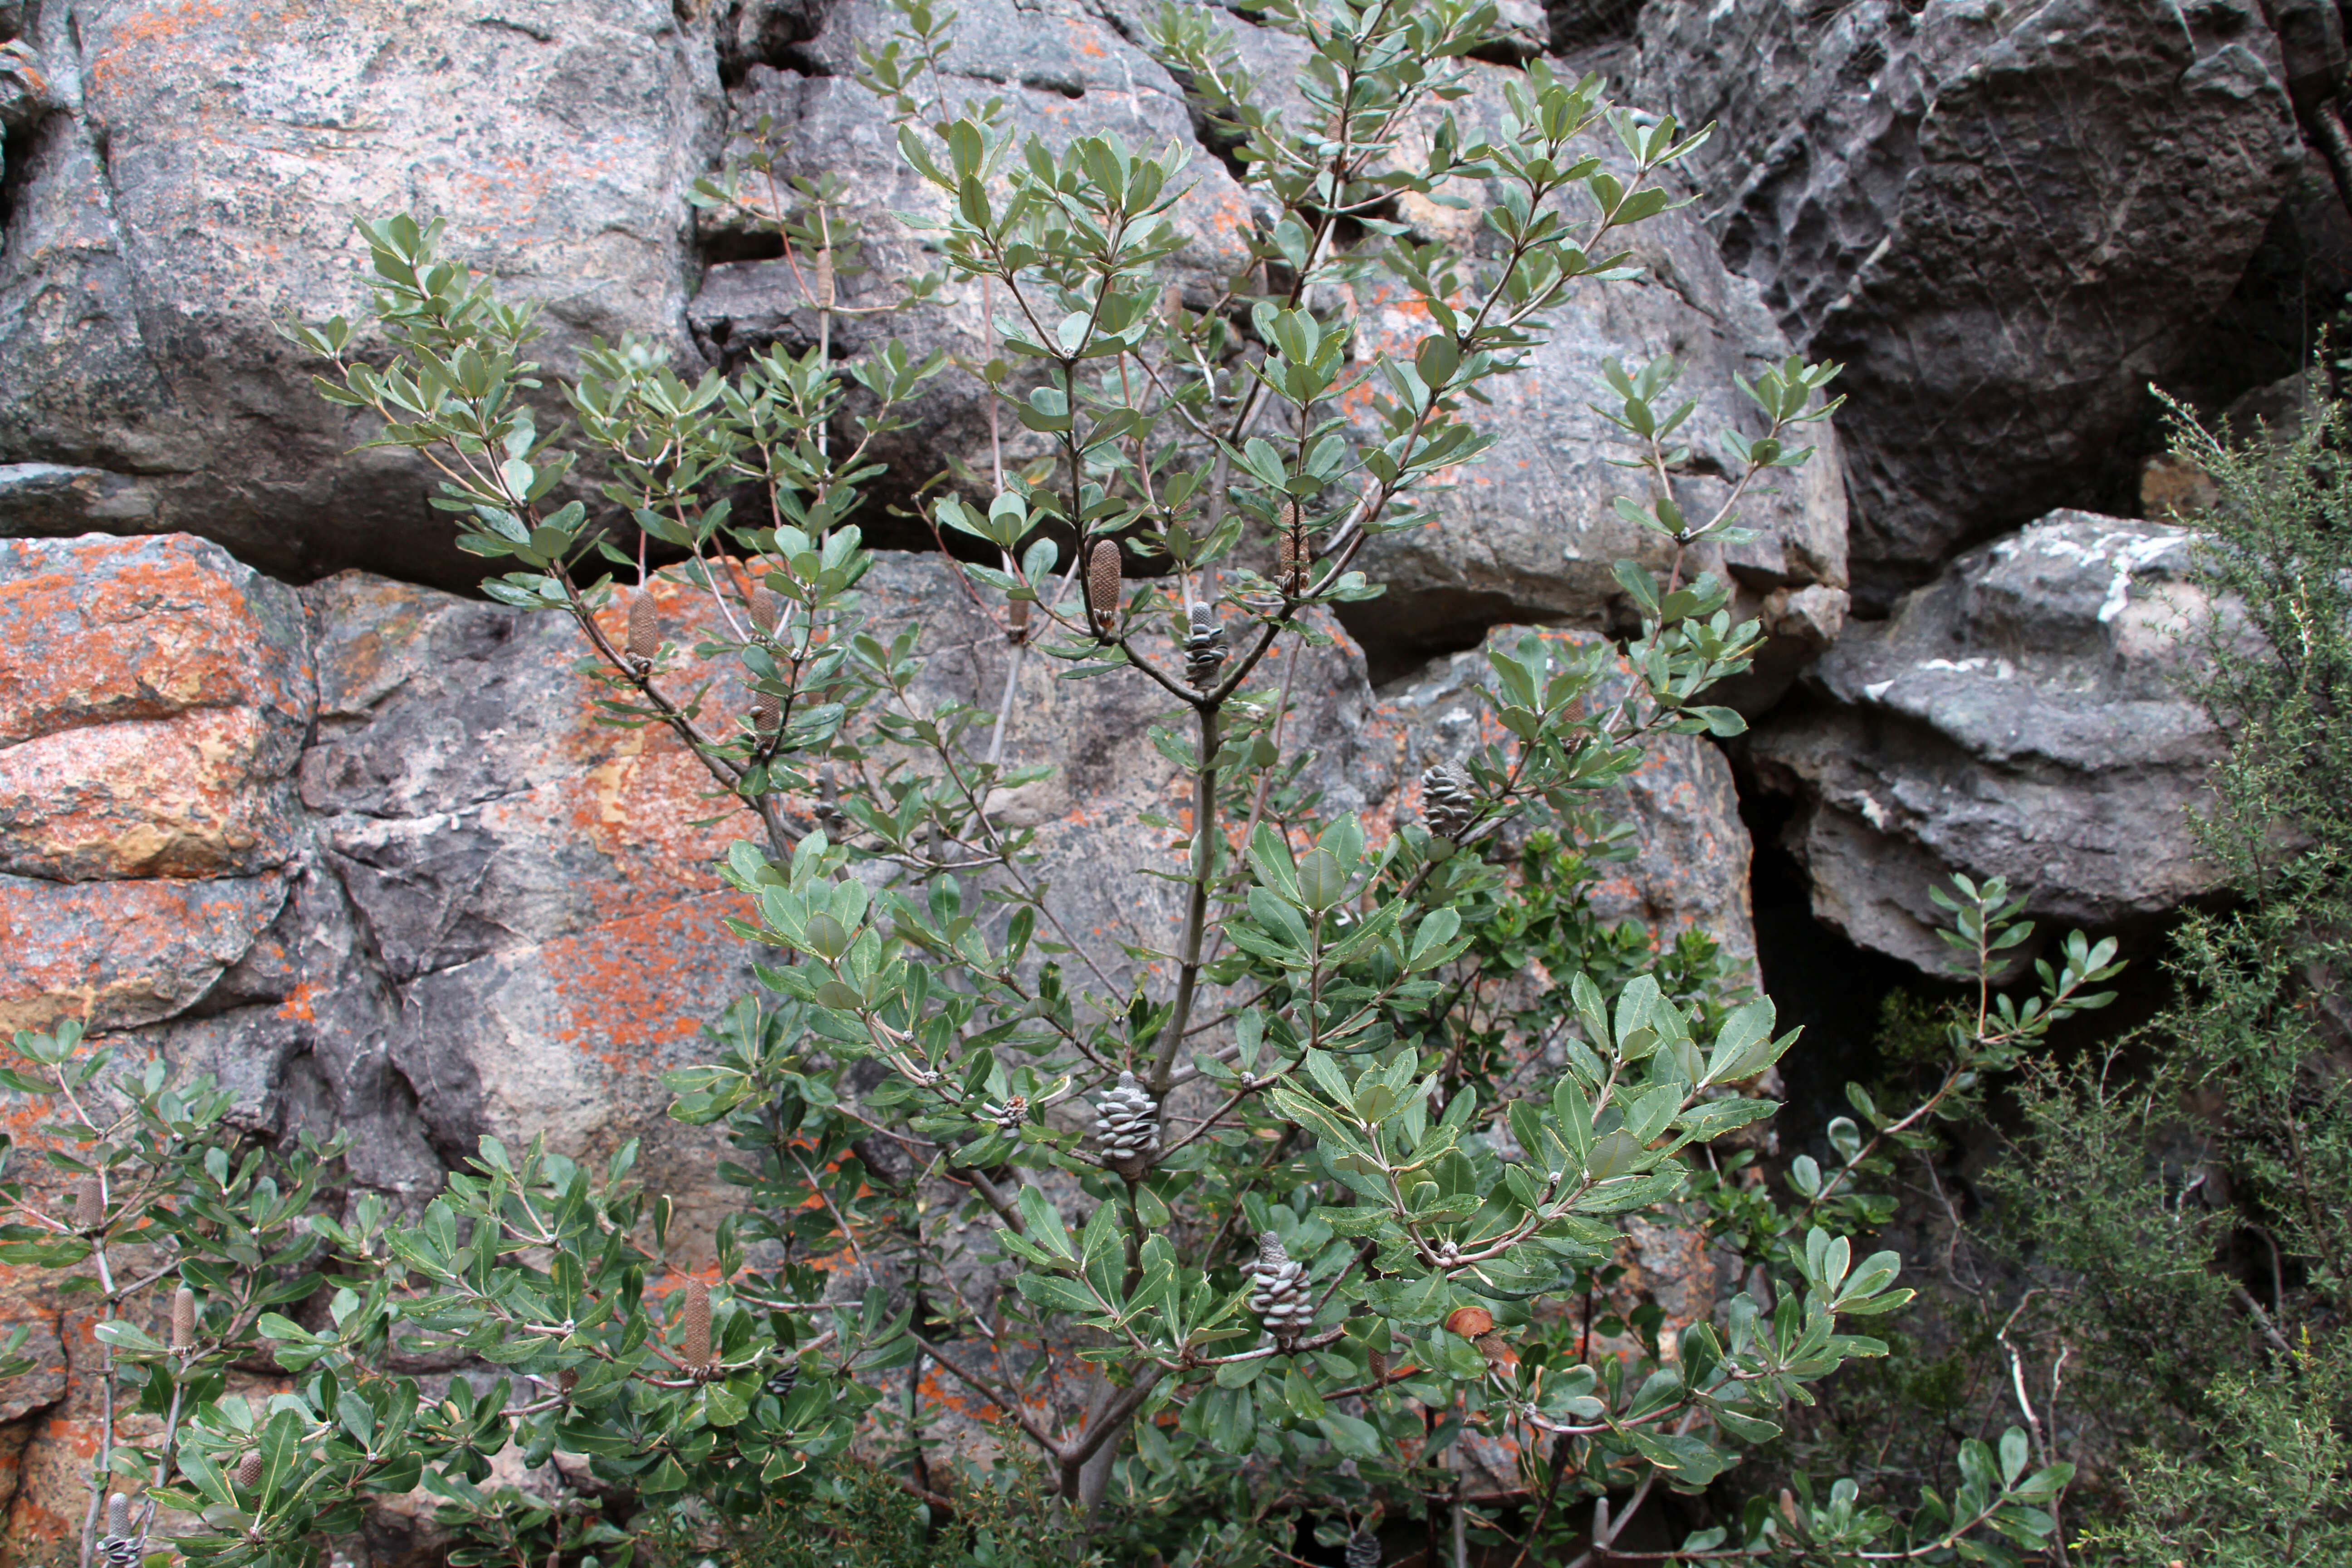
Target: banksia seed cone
[(1204, 648), (1278, 1292), (829, 815), (825, 295), (120, 1549), (89, 1204), (1171, 305), (1449, 801), (1127, 1120), (184, 1318), (1016, 623), (1102, 587), (767, 713), (645, 632), (1363, 1550), (248, 1471), (694, 1340)]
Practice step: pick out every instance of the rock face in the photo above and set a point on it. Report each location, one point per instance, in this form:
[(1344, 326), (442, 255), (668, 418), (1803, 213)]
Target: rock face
[(192, 179), (2005, 221), (2019, 717), (1527, 533)]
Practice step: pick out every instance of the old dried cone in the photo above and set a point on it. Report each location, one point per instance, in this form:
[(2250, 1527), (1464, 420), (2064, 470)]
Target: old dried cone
[(1449, 800), (645, 633), (1102, 589), (1127, 1120), (1205, 646), (1278, 1292), (694, 1327)]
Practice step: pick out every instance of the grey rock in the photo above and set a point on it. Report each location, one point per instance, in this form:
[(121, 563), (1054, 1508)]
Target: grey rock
[(2004, 221), (2023, 716), (196, 185)]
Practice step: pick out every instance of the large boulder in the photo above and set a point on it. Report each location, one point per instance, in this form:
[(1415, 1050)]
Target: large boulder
[(2004, 220), (190, 180), (2023, 716)]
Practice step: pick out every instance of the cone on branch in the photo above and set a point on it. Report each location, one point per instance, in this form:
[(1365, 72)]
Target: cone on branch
[(120, 1548), (768, 610), (1016, 622), (1102, 589), (694, 1327), (767, 713), (1127, 1120), (645, 633), (1449, 800), (824, 283), (829, 815), (88, 1204), (184, 1318), (248, 1470), (1205, 646), (1278, 1292)]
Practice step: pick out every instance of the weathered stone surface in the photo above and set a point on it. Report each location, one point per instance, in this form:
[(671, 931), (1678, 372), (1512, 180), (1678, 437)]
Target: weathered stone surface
[(1528, 531), (2019, 717), (153, 695), (196, 181), (2004, 221)]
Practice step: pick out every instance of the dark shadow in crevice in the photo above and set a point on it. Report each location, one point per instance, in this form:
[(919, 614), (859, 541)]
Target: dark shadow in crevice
[(1401, 632), (772, 33)]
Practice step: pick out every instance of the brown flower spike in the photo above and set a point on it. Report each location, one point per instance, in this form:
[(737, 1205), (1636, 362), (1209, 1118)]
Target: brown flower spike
[(645, 632), (183, 1318), (1102, 589), (694, 1339)]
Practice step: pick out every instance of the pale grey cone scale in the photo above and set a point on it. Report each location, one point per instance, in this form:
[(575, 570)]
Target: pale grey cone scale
[(1127, 1121), (1278, 1292), (1204, 647), (1449, 801)]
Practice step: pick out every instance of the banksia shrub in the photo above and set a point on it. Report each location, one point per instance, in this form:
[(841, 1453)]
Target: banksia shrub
[(1127, 1120), (645, 633), (1102, 587), (1449, 801), (1204, 647), (694, 1327), (1278, 1292)]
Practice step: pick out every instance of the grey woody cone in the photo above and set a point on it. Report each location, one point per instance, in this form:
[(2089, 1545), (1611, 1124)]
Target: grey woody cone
[(183, 1318), (1102, 587), (1449, 800), (1278, 1292), (1204, 647), (248, 1470), (824, 287), (1363, 1550), (829, 815), (645, 632), (694, 1337), (119, 1548), (89, 1203), (1016, 622), (767, 713), (1127, 1120)]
